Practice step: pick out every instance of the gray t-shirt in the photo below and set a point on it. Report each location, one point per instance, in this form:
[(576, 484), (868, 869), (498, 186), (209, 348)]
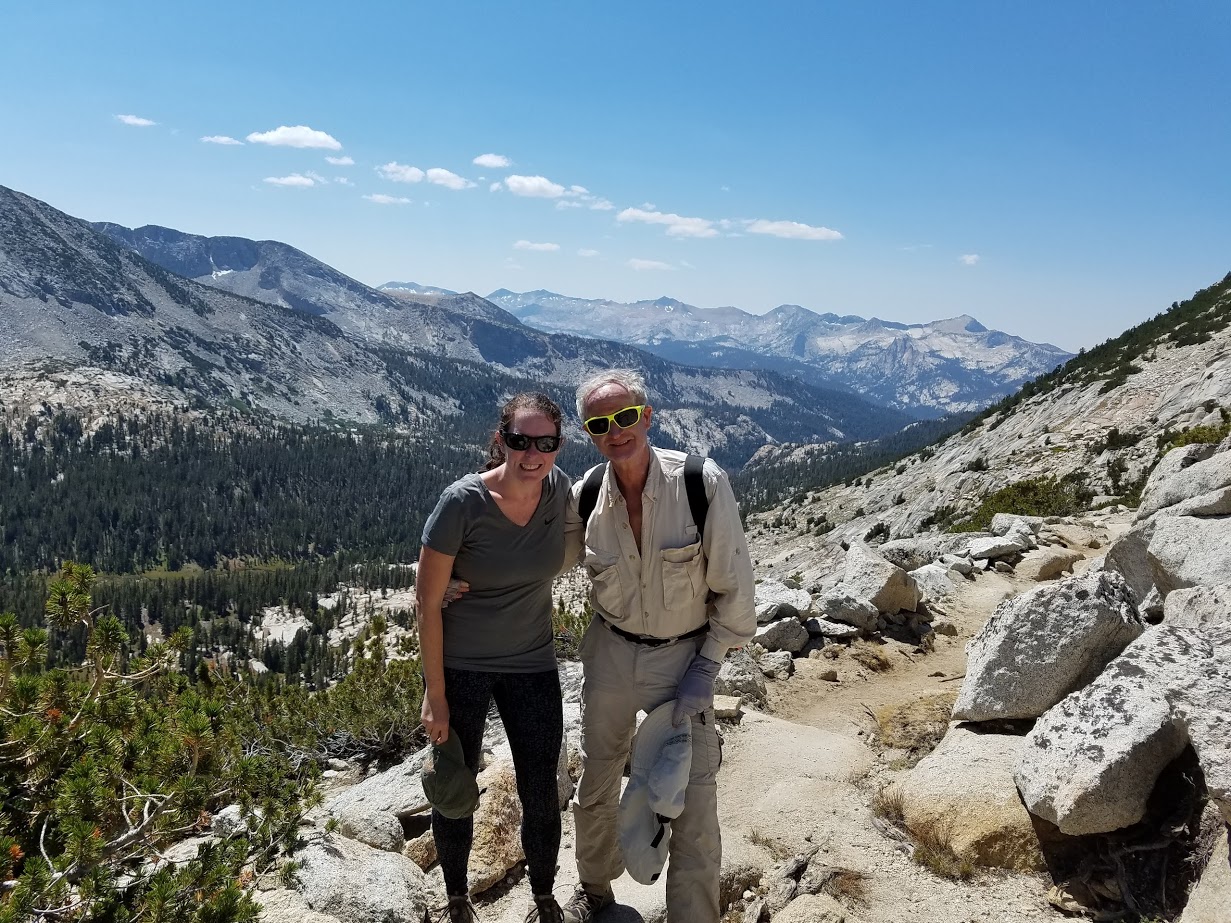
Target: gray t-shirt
[(503, 623)]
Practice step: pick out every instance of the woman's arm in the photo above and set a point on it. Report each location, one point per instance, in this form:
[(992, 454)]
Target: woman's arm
[(430, 583)]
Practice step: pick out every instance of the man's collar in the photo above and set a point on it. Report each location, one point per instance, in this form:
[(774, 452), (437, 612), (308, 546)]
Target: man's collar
[(653, 477)]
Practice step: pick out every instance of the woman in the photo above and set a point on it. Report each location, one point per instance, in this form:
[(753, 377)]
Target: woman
[(501, 531)]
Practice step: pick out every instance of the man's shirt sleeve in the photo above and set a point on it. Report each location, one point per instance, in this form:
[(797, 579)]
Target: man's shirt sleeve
[(733, 619)]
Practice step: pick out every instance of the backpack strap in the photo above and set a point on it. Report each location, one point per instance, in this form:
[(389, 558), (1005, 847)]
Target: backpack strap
[(694, 484), (589, 492)]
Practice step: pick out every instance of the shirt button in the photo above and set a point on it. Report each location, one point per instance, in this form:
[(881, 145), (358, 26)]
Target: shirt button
[(632, 557)]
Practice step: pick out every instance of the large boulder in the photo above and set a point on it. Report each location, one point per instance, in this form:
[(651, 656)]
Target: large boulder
[(812, 908), (1172, 552), (1210, 900), (1206, 478), (827, 628), (1090, 764), (996, 546), (885, 585), (1042, 645), (775, 600), (840, 605), (783, 635), (1014, 524), (1201, 701), (285, 906), (935, 581), (358, 884), (369, 811), (1046, 563), (1202, 607), (497, 822), (912, 553), (965, 787), (739, 675)]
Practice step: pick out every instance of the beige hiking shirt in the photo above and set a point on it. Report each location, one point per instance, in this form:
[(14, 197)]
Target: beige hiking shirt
[(676, 582)]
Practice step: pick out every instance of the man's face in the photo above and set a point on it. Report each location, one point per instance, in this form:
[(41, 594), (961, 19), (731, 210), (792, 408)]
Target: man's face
[(618, 444)]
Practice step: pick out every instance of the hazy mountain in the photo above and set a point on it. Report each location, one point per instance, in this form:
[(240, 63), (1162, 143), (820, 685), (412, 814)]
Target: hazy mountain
[(944, 366), (277, 331)]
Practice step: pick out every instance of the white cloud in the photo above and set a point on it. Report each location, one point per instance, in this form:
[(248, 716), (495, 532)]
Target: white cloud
[(677, 225), (542, 248), (790, 229), (316, 177), (400, 173), (687, 265), (642, 265), (450, 180), (535, 187), (510, 263), (496, 186), (725, 188), (341, 161), (492, 161), (649, 206), (343, 181), (587, 253), (295, 179), (220, 139), (601, 205), (296, 136), (968, 259), (381, 199), (136, 120), (569, 203)]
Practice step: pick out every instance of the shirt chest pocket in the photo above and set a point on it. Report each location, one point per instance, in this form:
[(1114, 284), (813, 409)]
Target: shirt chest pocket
[(683, 579)]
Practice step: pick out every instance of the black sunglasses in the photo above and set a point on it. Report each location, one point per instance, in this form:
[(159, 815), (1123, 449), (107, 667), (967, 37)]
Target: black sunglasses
[(598, 426), (519, 442)]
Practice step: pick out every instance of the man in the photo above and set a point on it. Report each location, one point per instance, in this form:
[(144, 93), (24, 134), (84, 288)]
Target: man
[(669, 604)]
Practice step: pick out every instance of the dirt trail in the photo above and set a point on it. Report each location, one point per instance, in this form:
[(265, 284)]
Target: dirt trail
[(801, 774)]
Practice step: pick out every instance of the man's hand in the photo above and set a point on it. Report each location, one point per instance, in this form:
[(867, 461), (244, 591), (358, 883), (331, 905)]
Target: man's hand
[(695, 693), (455, 590)]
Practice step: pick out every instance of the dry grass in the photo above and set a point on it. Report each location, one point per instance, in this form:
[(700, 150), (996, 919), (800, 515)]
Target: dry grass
[(775, 848), (916, 726), (932, 840), (849, 886), (871, 657)]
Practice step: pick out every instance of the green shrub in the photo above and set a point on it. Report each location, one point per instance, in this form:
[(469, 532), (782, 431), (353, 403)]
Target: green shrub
[(105, 764), (1034, 497), (1196, 434)]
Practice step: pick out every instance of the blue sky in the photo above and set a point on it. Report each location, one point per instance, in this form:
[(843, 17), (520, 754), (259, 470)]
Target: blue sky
[(1056, 169)]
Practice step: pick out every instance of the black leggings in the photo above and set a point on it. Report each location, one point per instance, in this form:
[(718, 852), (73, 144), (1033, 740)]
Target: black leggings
[(532, 710)]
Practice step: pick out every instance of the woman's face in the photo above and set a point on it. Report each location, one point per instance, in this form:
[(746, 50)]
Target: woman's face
[(530, 463)]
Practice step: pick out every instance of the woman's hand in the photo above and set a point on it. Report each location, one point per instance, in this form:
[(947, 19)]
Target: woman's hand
[(435, 717)]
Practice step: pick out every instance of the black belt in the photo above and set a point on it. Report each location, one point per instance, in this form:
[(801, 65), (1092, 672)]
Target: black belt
[(650, 640)]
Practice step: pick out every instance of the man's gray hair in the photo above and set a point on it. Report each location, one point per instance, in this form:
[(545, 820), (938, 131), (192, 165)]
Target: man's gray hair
[(628, 379)]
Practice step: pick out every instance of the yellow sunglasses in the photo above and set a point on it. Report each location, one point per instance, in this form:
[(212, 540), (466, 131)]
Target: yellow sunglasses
[(601, 425)]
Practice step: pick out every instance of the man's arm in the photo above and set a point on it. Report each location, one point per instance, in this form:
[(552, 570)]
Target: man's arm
[(728, 573)]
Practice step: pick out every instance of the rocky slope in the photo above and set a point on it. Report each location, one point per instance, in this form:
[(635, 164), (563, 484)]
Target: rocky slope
[(945, 366), (1065, 432)]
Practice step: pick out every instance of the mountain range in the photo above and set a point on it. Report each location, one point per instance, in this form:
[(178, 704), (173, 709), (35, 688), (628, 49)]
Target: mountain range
[(936, 368), (266, 328)]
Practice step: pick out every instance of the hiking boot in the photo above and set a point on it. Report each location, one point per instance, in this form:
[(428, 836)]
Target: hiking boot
[(585, 905), (458, 910), (545, 910)]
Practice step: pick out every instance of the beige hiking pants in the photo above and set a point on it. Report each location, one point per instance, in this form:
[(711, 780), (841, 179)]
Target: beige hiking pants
[(620, 678)]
